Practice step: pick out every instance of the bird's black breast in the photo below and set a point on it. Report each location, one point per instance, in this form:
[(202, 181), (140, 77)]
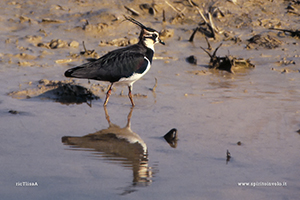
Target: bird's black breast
[(117, 64)]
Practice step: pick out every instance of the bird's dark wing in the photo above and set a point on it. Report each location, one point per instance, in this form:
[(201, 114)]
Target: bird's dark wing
[(112, 66)]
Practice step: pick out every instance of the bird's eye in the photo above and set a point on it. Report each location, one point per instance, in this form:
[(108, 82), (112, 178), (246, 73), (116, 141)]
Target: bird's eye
[(154, 36)]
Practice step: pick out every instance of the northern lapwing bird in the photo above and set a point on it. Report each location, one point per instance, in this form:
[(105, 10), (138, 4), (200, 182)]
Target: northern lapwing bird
[(122, 66)]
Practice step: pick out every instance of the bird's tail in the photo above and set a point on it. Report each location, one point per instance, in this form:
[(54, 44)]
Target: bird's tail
[(74, 72)]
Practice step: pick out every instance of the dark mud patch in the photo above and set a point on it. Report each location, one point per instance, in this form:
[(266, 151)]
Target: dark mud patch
[(65, 92), (265, 40)]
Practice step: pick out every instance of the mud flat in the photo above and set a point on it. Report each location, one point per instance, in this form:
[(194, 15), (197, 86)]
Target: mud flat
[(232, 129)]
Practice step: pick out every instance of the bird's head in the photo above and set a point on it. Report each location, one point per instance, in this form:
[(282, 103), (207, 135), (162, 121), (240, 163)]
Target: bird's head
[(148, 35)]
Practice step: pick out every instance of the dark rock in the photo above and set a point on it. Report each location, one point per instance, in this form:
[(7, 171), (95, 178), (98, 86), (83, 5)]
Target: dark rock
[(192, 60), (171, 137)]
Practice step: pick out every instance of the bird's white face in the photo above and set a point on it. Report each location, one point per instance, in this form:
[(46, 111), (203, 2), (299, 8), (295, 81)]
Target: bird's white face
[(150, 38)]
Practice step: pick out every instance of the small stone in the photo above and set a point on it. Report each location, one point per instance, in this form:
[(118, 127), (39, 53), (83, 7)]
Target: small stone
[(192, 60), (74, 44), (61, 61), (171, 137)]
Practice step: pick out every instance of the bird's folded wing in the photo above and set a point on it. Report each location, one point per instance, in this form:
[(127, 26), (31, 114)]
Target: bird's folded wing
[(111, 67)]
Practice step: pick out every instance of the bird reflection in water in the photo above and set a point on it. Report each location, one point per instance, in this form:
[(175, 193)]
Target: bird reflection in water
[(118, 145)]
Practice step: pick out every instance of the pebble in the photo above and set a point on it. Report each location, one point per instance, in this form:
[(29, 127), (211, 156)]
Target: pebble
[(74, 44)]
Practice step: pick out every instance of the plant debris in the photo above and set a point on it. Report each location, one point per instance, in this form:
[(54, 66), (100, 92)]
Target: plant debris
[(227, 63), (228, 156), (132, 11), (207, 27), (264, 40), (293, 32), (89, 53), (291, 8), (154, 87), (14, 112), (48, 20)]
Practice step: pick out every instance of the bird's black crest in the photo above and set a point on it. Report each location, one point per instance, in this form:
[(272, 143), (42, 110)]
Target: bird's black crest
[(135, 22), (139, 24)]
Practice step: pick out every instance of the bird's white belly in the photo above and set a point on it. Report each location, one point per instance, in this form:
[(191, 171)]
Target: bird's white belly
[(130, 80), (134, 77)]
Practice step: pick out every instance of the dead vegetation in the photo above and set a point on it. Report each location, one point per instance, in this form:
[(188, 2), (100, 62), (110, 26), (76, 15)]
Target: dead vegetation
[(265, 40), (292, 32), (207, 26), (88, 53), (228, 63), (293, 7)]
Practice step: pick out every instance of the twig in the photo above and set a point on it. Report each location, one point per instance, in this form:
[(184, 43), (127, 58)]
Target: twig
[(175, 9), (294, 33), (84, 46), (164, 16), (133, 12), (228, 156), (199, 11), (212, 23), (155, 85), (208, 21), (193, 35), (208, 44), (293, 12)]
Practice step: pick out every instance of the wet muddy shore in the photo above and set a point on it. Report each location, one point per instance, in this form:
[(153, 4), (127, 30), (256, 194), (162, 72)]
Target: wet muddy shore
[(236, 111)]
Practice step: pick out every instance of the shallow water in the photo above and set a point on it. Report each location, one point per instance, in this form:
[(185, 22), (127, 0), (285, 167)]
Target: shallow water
[(259, 108)]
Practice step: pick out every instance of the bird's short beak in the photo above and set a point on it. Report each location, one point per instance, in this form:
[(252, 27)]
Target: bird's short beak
[(160, 41)]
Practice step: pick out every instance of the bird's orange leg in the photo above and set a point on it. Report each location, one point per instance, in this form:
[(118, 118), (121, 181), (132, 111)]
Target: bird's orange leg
[(107, 95), (130, 95)]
